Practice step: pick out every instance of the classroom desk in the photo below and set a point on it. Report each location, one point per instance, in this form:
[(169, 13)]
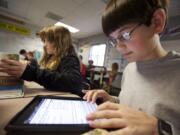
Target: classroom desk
[(9, 107)]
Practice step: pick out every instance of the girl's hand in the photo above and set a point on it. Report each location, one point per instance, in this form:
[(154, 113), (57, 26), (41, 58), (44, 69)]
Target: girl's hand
[(12, 67)]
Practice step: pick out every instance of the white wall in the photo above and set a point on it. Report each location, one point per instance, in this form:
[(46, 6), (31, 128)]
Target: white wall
[(13, 42), (84, 51)]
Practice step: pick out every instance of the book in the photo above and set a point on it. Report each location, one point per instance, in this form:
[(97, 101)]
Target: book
[(11, 87)]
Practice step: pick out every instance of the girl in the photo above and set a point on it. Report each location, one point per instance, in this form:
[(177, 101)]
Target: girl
[(60, 67)]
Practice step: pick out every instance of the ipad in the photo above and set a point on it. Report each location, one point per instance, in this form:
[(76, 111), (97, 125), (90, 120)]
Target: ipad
[(52, 115)]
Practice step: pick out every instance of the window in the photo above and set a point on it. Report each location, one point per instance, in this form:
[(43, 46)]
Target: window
[(97, 54)]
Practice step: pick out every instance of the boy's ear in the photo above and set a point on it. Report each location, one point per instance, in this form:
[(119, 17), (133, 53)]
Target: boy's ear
[(159, 20)]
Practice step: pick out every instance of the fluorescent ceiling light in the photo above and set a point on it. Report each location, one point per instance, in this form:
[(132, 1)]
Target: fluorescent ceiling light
[(70, 28)]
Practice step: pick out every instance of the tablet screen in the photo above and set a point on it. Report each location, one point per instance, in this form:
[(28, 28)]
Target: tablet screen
[(57, 111)]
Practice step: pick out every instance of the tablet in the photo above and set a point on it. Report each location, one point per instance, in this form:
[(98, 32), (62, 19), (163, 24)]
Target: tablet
[(52, 115)]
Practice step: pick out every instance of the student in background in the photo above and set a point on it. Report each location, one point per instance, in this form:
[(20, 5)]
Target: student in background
[(60, 67), (149, 99), (113, 73), (90, 71), (83, 67), (23, 52), (111, 77), (90, 65), (31, 59)]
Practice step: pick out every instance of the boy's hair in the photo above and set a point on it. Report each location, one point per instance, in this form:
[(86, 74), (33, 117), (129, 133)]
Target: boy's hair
[(61, 38), (122, 12)]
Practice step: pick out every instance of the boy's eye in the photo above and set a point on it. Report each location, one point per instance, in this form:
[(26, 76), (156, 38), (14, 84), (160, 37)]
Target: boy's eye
[(125, 36)]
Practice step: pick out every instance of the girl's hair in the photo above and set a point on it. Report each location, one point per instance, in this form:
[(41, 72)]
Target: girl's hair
[(62, 40), (122, 12)]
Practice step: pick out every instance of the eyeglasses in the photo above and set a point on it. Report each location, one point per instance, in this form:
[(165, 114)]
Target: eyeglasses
[(124, 37)]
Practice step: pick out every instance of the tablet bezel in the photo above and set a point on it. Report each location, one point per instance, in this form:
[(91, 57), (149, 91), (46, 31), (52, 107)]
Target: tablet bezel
[(17, 123)]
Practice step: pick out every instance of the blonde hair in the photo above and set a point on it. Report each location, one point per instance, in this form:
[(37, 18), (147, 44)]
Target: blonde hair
[(62, 40)]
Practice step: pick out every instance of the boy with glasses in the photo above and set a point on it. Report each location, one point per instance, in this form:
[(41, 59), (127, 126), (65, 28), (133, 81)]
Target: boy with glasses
[(149, 99)]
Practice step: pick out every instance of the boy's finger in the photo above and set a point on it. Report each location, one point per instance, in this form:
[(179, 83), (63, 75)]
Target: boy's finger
[(94, 97), (85, 96), (109, 105), (105, 114), (90, 94), (107, 123)]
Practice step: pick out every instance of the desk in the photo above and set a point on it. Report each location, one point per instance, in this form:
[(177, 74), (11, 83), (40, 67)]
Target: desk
[(9, 107), (32, 89)]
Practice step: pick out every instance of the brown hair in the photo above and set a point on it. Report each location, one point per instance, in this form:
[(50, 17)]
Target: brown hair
[(115, 66), (122, 12), (61, 38)]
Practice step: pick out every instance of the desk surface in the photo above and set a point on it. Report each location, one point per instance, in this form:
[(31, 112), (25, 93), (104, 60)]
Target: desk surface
[(9, 107)]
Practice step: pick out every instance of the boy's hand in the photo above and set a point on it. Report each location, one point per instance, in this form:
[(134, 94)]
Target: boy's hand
[(125, 119), (92, 95), (12, 67)]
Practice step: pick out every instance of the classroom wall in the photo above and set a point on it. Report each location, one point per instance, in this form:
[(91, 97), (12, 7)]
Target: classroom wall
[(13, 41), (84, 52)]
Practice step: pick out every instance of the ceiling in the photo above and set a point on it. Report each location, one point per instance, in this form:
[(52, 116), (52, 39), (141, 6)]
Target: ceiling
[(82, 14)]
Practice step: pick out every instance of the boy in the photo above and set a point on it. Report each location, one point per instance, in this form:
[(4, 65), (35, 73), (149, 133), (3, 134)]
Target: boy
[(149, 99)]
